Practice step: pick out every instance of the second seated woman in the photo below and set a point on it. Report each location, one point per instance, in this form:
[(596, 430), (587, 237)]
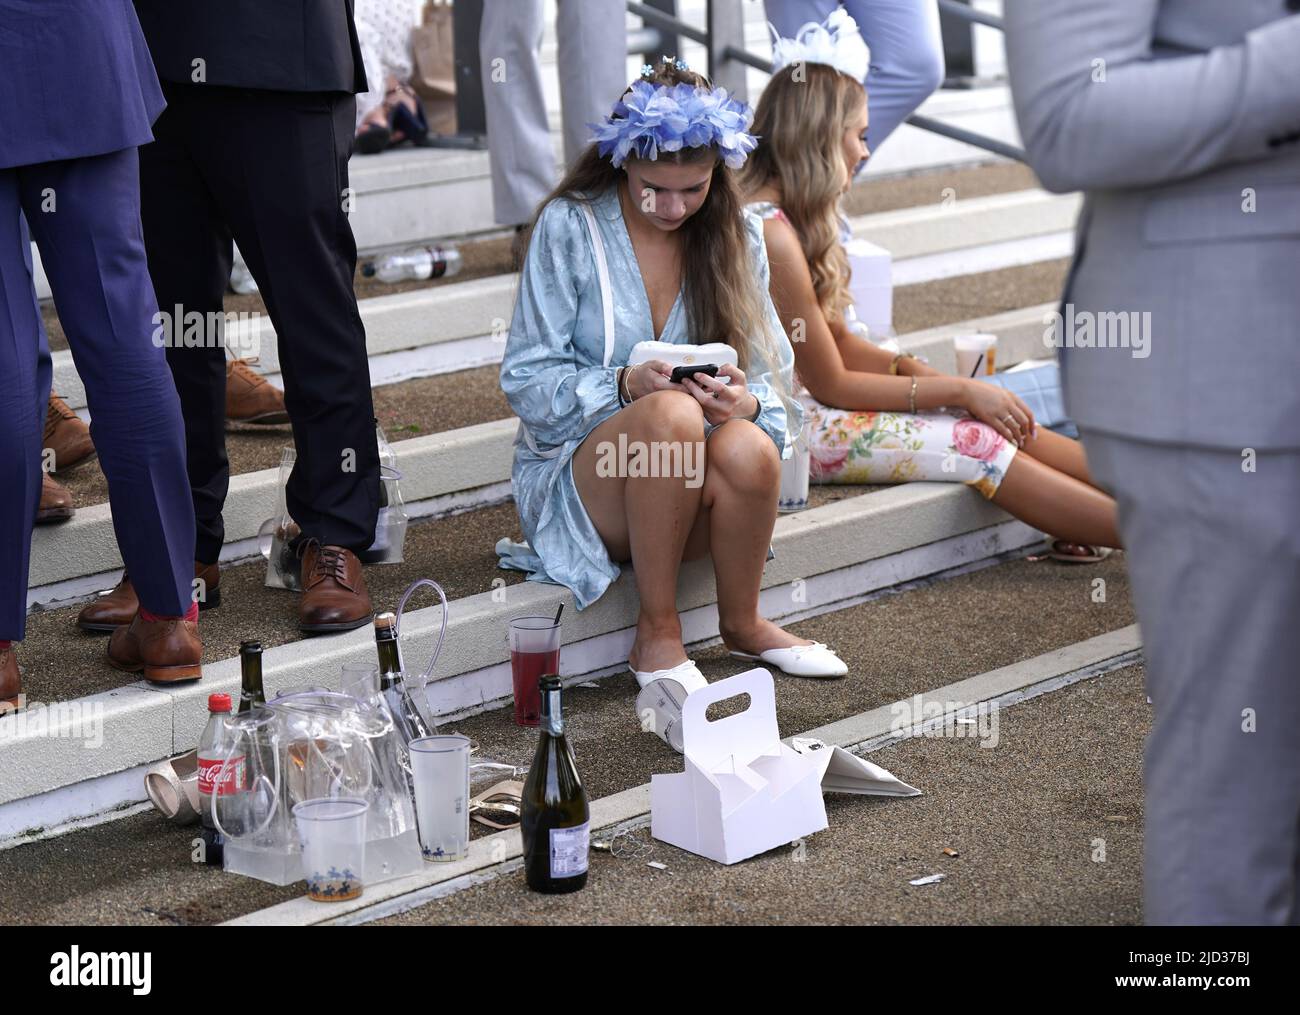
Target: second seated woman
[(876, 417), (652, 215)]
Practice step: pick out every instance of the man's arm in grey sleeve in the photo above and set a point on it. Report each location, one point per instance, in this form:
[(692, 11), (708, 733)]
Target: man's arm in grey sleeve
[(1096, 112)]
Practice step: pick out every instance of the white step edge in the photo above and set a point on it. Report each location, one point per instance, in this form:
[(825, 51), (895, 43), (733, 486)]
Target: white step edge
[(1001, 687), (432, 466), (139, 723), (475, 314), (972, 222), (446, 462)]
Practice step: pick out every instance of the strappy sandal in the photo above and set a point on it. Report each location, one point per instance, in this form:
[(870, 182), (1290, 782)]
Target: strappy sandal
[(1077, 553), (503, 798)]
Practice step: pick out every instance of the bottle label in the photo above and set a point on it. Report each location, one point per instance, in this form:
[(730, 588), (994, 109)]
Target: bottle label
[(235, 781), (569, 849)]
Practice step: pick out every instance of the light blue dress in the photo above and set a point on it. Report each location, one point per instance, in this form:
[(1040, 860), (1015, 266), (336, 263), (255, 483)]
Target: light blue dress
[(554, 377)]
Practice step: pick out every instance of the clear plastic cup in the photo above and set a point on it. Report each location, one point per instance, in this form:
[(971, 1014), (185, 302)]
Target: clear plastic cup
[(360, 681), (534, 652), (976, 354), (332, 832), (440, 772)]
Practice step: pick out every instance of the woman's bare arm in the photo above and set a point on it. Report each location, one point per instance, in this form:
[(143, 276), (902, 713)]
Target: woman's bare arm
[(820, 359)]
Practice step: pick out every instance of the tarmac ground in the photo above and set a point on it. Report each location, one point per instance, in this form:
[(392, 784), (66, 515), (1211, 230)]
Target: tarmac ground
[(1023, 814)]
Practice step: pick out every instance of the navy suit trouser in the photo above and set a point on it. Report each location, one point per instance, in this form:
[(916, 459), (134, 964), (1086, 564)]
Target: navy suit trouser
[(84, 215)]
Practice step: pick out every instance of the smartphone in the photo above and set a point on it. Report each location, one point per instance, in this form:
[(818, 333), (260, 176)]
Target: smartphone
[(681, 373)]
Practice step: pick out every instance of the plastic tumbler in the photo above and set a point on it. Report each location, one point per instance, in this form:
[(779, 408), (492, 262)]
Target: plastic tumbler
[(976, 354), (534, 652), (440, 772), (332, 832)]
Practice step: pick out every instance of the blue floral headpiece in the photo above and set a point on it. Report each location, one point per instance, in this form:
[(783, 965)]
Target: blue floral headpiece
[(653, 118)]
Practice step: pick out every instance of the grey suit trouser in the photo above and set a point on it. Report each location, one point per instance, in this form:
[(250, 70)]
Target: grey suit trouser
[(1214, 557), (591, 41)]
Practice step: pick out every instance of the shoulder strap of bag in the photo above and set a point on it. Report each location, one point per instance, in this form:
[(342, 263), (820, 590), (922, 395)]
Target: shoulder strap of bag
[(607, 305)]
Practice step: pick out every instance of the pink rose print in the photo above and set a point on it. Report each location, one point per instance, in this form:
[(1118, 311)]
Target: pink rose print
[(826, 460), (978, 440)]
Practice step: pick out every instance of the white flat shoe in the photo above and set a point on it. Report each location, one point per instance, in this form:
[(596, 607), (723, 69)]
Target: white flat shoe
[(815, 660), (687, 674), (659, 705)]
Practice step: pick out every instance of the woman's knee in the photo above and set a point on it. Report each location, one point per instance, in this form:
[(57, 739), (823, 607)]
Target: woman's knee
[(743, 455), (669, 416)]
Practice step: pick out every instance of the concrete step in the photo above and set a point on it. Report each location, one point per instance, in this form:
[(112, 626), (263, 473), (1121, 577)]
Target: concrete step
[(78, 557), (931, 638), (824, 556), (465, 324)]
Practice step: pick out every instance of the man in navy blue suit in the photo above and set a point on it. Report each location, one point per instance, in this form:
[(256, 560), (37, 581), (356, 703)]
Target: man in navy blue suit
[(79, 96)]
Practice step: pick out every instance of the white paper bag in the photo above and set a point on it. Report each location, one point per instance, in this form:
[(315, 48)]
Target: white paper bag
[(871, 285)]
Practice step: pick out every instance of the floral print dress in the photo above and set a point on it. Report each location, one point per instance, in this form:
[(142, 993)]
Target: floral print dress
[(868, 446)]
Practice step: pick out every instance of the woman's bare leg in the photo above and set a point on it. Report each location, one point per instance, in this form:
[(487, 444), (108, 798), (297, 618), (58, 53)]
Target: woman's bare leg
[(646, 519), (1061, 453), (1058, 503), (737, 515)]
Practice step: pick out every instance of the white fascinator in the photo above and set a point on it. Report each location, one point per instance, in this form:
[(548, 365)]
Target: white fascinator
[(837, 43)]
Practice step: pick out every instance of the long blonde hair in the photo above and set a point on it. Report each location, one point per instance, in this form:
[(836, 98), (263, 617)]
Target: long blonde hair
[(723, 297), (800, 121)]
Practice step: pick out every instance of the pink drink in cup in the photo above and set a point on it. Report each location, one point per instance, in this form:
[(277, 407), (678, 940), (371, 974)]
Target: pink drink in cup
[(534, 652)]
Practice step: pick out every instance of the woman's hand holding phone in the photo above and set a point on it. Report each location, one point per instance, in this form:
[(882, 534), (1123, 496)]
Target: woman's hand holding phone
[(721, 401), (652, 375)]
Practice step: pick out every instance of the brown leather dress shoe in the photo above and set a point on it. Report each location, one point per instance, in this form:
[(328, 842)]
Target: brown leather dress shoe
[(164, 651), (250, 397), (68, 436), (334, 596), (56, 502), (11, 684), (111, 611)]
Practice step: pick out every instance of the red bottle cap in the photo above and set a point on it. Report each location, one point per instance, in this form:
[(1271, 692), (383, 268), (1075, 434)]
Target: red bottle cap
[(218, 703)]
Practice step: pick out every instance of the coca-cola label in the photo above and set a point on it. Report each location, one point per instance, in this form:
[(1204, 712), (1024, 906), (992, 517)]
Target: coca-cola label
[(235, 780)]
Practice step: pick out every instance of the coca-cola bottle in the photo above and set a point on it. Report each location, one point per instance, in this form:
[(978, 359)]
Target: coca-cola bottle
[(415, 264), (218, 776)]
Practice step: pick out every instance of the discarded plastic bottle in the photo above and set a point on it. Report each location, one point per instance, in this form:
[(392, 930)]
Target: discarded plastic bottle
[(220, 775), (415, 264)]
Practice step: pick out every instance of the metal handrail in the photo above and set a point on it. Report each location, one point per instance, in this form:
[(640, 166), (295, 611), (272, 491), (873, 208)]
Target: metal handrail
[(968, 13), (667, 22)]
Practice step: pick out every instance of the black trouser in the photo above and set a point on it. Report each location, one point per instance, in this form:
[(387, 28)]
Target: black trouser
[(269, 169)]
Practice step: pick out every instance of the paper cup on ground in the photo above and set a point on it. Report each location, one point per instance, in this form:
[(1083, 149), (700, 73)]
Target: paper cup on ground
[(333, 836), (976, 355), (440, 771), (659, 708)]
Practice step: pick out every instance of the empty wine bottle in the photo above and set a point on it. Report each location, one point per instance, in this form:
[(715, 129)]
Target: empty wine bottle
[(555, 822), (410, 719), (251, 694)]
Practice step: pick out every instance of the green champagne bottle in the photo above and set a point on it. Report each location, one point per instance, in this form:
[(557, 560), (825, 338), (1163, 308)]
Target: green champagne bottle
[(251, 694), (555, 822)]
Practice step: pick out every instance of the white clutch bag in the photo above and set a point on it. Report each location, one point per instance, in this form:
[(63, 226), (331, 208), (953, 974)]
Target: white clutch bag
[(683, 355)]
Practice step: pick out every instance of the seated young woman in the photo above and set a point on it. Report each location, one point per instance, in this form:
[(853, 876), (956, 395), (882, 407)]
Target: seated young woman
[(682, 263), (876, 417)]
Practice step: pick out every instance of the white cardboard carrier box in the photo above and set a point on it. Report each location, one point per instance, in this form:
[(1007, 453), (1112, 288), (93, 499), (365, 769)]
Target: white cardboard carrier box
[(743, 791)]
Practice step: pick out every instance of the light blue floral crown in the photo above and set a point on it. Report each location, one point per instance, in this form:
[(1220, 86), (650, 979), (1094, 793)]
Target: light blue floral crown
[(653, 118)]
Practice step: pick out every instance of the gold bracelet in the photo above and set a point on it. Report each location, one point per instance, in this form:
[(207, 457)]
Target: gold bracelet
[(911, 398)]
